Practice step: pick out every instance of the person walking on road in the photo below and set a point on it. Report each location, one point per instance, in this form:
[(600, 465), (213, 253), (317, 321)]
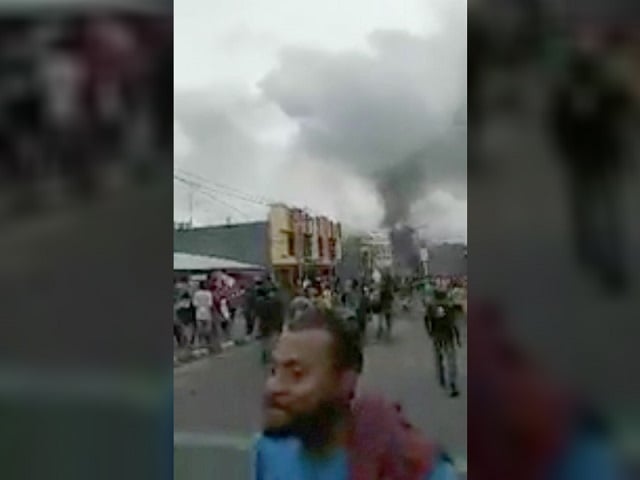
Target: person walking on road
[(186, 318), (250, 303), (353, 301), (316, 428), (327, 296), (206, 328), (270, 314), (375, 307), (442, 327), (386, 304)]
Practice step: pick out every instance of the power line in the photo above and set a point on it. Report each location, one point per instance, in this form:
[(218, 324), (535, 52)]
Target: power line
[(230, 189), (217, 191), (226, 204), (235, 192), (242, 196), (203, 191)]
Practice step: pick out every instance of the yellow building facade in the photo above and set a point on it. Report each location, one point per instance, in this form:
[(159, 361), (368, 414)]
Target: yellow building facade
[(301, 243)]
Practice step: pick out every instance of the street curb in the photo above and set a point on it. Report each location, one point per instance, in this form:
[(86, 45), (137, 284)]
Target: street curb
[(204, 353)]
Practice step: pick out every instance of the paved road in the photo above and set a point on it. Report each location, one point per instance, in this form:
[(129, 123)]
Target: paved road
[(216, 402)]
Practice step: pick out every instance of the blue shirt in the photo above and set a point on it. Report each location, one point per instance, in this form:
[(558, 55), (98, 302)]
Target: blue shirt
[(285, 459), (589, 458)]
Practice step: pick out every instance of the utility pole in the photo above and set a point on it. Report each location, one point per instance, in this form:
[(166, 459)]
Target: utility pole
[(299, 232), (191, 194)]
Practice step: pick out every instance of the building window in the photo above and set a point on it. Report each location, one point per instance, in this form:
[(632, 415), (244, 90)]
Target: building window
[(309, 225), (332, 249), (320, 247), (291, 244), (307, 246)]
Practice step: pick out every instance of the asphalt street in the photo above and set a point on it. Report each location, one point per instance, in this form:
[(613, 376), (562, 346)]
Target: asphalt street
[(217, 402)]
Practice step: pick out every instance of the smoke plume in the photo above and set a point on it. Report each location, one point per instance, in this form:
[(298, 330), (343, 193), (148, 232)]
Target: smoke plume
[(387, 115)]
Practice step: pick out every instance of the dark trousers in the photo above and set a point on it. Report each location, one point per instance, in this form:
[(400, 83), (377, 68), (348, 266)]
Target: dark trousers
[(361, 317), (177, 334), (446, 360), (250, 318), (385, 321)]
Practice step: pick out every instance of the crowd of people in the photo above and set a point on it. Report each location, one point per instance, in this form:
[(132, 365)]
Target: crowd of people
[(81, 92), (204, 312), (320, 331), (206, 315)]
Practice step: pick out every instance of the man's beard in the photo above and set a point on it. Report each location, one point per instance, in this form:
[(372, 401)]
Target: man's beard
[(314, 429)]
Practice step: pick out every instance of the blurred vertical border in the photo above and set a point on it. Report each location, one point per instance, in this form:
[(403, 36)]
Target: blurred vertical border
[(86, 219), (553, 232)]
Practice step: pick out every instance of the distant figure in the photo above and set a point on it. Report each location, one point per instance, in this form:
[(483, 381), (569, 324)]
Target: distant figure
[(375, 308), (441, 325), (353, 301), (426, 290), (327, 296), (186, 316), (297, 307), (271, 312), (203, 303), (250, 302), (387, 291), (588, 112)]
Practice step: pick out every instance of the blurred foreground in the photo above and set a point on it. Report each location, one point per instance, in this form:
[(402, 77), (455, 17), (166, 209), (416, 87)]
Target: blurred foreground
[(85, 103), (217, 401), (553, 184)]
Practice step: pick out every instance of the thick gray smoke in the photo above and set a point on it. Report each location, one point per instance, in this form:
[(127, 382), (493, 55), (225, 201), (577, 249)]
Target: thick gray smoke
[(399, 186), (406, 253), (402, 184), (388, 115)]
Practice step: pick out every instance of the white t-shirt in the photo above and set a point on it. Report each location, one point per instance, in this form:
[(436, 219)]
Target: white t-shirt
[(203, 302)]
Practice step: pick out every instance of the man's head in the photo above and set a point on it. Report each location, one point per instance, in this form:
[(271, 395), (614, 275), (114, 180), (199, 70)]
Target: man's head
[(298, 306), (313, 377)]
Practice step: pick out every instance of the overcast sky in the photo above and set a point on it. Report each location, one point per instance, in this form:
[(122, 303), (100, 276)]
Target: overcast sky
[(305, 102)]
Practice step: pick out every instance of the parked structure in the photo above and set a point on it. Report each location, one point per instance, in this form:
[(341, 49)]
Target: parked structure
[(303, 244), (290, 243)]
